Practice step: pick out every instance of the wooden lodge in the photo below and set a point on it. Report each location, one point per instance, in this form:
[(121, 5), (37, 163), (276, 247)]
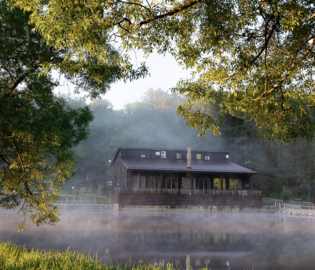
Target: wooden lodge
[(179, 177)]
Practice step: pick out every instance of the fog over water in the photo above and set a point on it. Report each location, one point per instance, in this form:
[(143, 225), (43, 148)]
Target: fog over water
[(219, 240)]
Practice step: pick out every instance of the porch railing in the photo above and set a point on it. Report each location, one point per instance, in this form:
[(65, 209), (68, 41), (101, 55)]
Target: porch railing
[(222, 192)]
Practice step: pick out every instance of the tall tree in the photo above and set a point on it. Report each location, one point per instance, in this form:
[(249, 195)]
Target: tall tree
[(38, 129), (256, 57)]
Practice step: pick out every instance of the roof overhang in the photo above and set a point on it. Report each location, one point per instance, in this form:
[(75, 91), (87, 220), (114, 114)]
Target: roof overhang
[(197, 166)]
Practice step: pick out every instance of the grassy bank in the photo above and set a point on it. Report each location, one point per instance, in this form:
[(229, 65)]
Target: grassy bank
[(13, 257)]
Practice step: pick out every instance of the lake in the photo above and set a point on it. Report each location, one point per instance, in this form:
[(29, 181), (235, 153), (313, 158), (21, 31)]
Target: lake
[(218, 240)]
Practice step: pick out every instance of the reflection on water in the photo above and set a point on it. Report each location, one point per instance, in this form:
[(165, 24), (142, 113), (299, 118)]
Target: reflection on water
[(220, 241)]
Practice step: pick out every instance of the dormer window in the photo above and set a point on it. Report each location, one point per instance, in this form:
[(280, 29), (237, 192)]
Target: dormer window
[(198, 156), (207, 157), (178, 155)]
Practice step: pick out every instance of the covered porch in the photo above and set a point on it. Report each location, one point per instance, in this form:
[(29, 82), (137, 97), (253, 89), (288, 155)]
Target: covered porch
[(144, 182), (223, 192)]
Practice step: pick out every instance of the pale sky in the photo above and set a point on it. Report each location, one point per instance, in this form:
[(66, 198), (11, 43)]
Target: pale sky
[(165, 73)]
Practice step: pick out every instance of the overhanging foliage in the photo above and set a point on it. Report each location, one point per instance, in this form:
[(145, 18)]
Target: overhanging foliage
[(255, 57)]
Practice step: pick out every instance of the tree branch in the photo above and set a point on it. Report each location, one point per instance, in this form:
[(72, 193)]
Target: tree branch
[(170, 13), (137, 4), (259, 54), (162, 5), (313, 16), (4, 160), (281, 50), (23, 169), (280, 82), (19, 80)]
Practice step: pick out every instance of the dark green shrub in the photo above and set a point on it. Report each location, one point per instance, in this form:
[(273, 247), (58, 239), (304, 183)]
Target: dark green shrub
[(100, 190), (286, 194), (74, 192)]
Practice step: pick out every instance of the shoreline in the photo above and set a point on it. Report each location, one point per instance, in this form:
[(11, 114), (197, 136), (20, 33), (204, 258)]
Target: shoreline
[(172, 208)]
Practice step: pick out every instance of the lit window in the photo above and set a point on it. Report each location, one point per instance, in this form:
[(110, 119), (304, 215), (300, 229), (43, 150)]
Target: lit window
[(178, 155), (198, 156), (142, 156), (157, 153), (227, 156), (234, 183)]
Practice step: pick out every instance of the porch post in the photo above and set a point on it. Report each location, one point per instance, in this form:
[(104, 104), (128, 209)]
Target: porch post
[(250, 182), (227, 182), (221, 177), (162, 181)]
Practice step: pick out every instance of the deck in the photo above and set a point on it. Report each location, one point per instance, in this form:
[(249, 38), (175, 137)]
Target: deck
[(239, 198)]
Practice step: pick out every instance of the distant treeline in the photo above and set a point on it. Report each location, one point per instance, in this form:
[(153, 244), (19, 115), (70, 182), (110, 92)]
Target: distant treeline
[(153, 122)]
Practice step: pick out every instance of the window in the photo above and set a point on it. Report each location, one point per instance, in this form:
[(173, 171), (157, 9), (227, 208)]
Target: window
[(207, 157), (217, 184), (179, 155), (216, 238), (234, 183), (227, 156), (198, 156), (142, 156), (171, 182), (137, 181), (203, 184), (163, 154), (154, 182), (157, 153)]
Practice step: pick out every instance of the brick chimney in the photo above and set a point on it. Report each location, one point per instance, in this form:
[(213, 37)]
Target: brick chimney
[(189, 157)]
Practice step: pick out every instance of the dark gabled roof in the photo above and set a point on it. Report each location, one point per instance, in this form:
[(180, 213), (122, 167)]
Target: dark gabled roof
[(181, 165), (168, 149), (163, 149)]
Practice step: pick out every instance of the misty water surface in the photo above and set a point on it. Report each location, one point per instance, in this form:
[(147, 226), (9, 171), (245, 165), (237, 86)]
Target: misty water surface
[(219, 240)]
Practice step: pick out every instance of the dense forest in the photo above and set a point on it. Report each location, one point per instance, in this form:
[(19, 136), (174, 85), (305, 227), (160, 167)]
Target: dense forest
[(153, 122)]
